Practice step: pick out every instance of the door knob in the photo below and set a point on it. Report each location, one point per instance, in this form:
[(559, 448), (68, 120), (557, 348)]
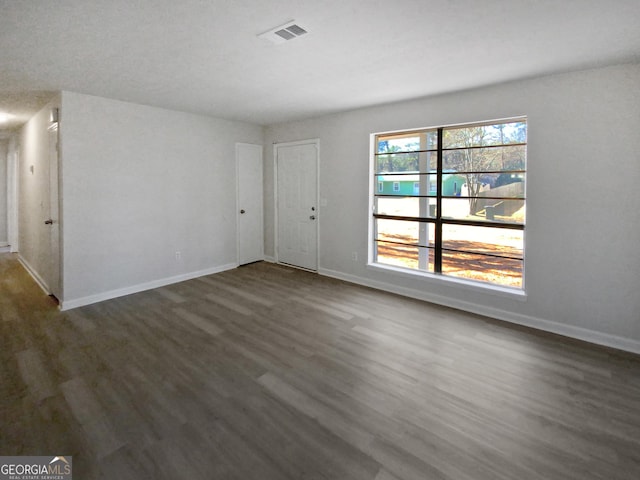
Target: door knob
[(312, 217), (241, 211), (48, 222)]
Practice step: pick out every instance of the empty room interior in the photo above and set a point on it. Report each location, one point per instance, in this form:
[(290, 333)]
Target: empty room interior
[(321, 240)]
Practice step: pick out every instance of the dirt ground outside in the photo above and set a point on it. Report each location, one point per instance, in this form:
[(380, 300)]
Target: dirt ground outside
[(472, 262)]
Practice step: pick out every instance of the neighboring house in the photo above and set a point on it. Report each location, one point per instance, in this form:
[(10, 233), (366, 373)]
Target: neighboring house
[(408, 183)]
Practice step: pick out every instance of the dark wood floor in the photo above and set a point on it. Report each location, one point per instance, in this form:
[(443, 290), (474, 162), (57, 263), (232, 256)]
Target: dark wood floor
[(266, 372)]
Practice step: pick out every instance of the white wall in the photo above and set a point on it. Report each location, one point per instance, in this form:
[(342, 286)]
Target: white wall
[(4, 151), (140, 183), (13, 160), (583, 208), (33, 193)]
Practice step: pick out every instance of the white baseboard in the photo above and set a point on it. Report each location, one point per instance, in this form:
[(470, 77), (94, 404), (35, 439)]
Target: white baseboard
[(571, 331), (121, 292), (5, 248), (270, 259), (34, 274)]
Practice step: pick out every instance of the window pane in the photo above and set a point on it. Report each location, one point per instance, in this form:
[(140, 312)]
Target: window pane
[(499, 271), (407, 142), (398, 143), (405, 231), (397, 162), (492, 241), (397, 231), (402, 185), (454, 185), (406, 184), (406, 206), (483, 135), (406, 162), (484, 209), (507, 158), (502, 185), (406, 256)]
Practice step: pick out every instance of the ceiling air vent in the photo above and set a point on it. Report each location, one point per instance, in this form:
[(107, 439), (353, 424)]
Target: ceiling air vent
[(285, 32)]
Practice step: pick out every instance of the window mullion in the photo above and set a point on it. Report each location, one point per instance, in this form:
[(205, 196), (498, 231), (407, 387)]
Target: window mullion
[(437, 263), (423, 183)]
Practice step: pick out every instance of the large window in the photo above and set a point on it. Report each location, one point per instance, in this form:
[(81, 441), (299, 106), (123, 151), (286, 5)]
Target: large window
[(452, 201)]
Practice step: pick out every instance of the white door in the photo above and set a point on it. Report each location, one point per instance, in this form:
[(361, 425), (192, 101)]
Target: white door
[(297, 208), (53, 222), (249, 203)]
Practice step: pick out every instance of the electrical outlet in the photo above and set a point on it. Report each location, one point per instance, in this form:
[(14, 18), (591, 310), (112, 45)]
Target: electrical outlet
[(354, 256), (178, 255)]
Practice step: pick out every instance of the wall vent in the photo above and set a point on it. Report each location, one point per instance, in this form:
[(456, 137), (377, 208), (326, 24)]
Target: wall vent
[(283, 33)]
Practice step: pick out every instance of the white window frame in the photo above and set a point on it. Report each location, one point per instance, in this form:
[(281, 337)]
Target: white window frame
[(439, 276)]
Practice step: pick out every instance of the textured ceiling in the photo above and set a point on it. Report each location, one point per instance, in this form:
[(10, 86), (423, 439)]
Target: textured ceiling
[(204, 56)]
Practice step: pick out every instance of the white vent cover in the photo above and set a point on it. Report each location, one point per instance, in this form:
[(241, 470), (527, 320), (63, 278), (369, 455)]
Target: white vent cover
[(281, 34)]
